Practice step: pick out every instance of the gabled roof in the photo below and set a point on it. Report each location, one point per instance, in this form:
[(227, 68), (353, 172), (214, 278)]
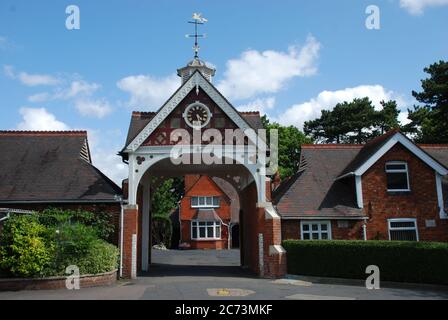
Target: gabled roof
[(318, 190), (376, 148), (196, 81), (213, 182), (52, 167), (140, 119)]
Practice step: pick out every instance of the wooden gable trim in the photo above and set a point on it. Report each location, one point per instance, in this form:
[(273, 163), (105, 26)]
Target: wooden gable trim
[(196, 80)]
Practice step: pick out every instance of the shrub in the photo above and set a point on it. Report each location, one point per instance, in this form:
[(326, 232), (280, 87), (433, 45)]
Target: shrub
[(162, 230), (72, 242), (30, 249), (26, 248), (100, 257), (101, 222), (425, 262)]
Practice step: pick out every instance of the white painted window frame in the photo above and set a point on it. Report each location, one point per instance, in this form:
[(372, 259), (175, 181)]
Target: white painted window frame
[(205, 205), (195, 224), (389, 221), (319, 223), (406, 170)]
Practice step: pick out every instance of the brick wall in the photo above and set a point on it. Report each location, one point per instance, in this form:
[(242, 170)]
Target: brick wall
[(421, 203)]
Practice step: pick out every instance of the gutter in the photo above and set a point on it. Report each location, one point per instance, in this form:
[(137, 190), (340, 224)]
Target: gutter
[(345, 176), (324, 218), (61, 201)]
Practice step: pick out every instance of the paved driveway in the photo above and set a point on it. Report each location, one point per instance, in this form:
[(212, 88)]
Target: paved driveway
[(203, 275)]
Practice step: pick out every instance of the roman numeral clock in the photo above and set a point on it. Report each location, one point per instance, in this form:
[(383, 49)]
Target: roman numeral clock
[(197, 115)]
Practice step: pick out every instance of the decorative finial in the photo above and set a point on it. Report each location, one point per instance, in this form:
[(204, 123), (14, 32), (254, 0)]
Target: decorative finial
[(197, 20)]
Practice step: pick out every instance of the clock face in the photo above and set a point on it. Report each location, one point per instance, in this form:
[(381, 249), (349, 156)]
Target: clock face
[(197, 115)]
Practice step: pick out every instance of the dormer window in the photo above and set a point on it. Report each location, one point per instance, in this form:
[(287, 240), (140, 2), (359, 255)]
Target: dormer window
[(397, 176)]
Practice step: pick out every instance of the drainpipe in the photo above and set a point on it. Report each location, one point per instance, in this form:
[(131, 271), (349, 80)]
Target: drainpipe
[(228, 232), (364, 230), (121, 239)]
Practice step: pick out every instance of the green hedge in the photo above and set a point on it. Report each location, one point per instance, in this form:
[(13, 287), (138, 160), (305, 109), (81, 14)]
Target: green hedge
[(419, 262)]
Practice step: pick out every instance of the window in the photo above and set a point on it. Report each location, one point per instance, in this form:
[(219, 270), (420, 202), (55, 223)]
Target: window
[(397, 176), (204, 230), (403, 230), (316, 230), (205, 202)]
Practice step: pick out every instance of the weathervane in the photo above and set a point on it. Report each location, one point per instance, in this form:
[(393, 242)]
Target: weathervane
[(197, 20)]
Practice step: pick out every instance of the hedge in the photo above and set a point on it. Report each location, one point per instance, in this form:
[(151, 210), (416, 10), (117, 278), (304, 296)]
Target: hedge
[(418, 262)]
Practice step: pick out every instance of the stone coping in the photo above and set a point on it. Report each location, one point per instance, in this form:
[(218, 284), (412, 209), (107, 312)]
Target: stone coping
[(51, 283)]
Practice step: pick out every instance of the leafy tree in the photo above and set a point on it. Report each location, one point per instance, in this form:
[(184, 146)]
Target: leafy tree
[(165, 198), (290, 140), (430, 121), (353, 122)]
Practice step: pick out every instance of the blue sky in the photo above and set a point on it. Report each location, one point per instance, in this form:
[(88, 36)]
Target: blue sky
[(289, 59)]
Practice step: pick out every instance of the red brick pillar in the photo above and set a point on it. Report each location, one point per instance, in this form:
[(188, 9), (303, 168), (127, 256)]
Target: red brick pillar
[(274, 254), (130, 236)]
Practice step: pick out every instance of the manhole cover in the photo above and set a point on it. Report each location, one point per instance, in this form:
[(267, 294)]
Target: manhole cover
[(225, 292)]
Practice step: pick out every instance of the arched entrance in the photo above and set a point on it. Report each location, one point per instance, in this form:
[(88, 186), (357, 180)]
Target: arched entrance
[(197, 131)]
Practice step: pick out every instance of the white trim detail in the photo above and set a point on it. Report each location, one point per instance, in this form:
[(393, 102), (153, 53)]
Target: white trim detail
[(359, 197), (197, 79), (145, 227), (442, 213), (319, 231), (404, 228), (399, 137)]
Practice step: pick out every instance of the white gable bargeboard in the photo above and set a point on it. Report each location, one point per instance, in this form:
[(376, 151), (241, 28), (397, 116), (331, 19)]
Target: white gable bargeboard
[(400, 138), (196, 80)]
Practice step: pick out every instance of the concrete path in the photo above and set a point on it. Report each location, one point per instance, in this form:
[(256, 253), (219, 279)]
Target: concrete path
[(205, 275)]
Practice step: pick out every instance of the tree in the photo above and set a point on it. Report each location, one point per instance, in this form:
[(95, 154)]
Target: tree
[(387, 119), (290, 140), (430, 121), (165, 198), (353, 122)]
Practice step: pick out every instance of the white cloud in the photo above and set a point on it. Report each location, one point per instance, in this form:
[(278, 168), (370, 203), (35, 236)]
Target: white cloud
[(147, 91), (417, 7), (40, 97), (93, 108), (40, 119), (31, 80), (403, 118), (262, 105), (268, 71), (77, 89), (104, 146), (107, 160), (327, 100)]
